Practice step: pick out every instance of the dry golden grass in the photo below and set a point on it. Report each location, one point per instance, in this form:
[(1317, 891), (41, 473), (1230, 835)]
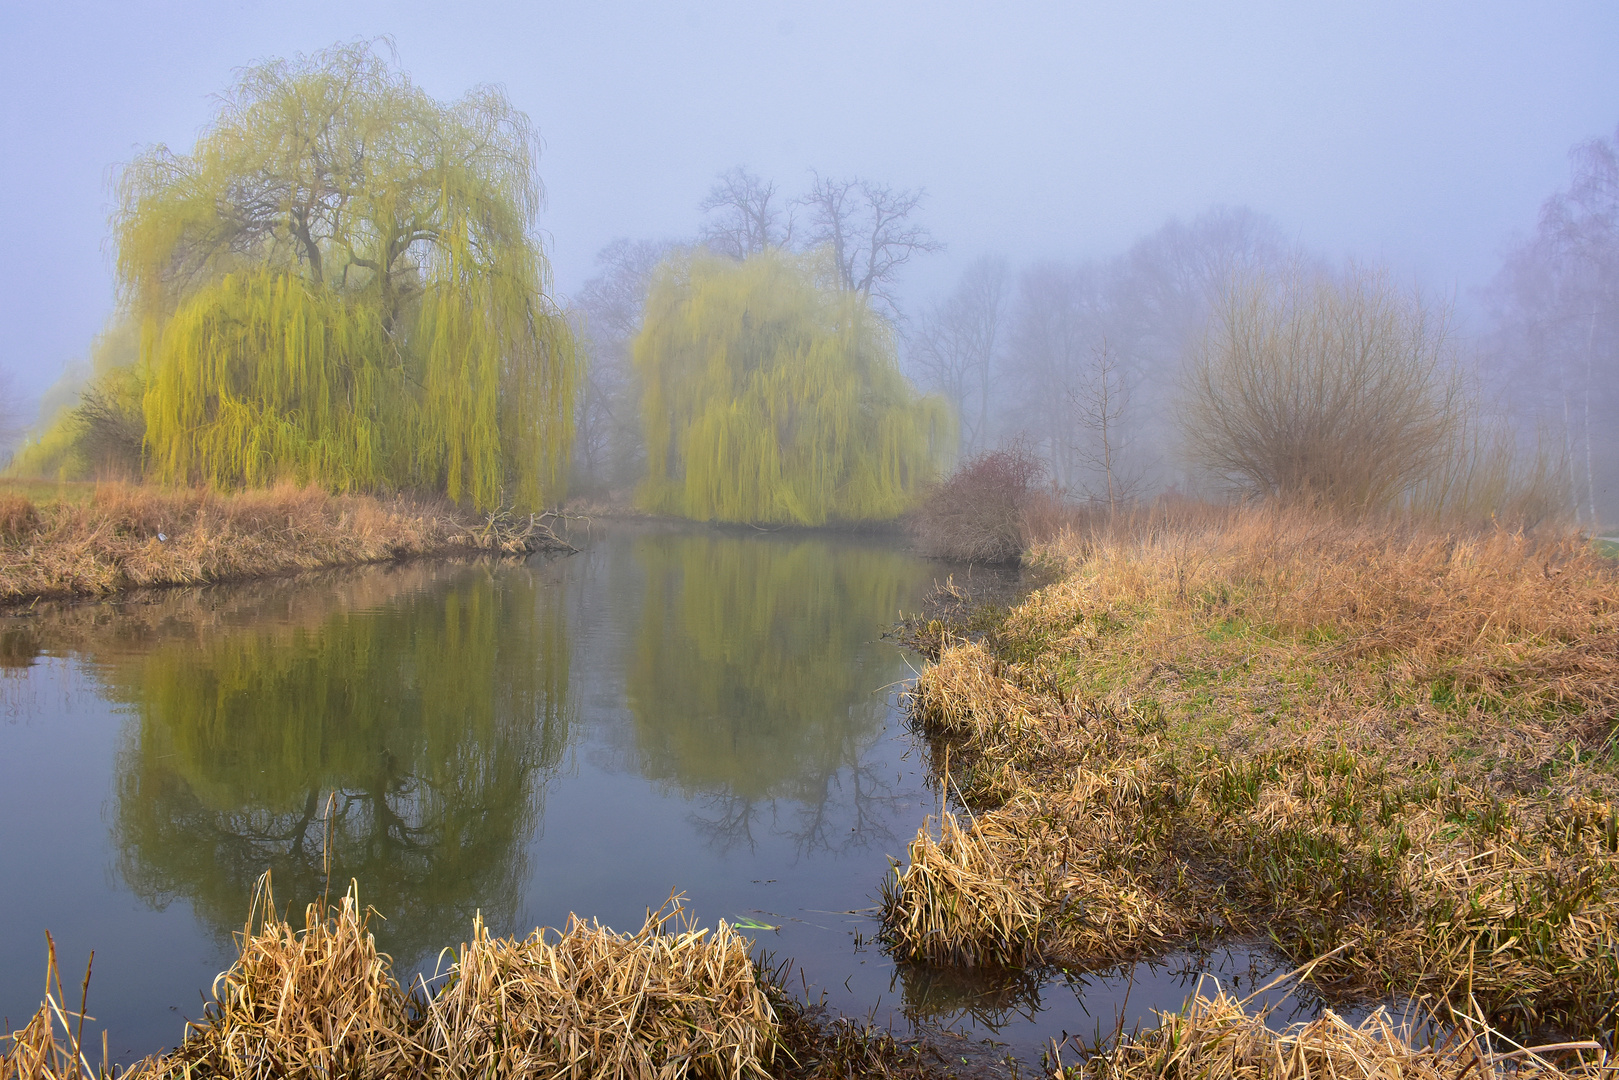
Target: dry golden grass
[(1378, 736), (18, 518), (1220, 1036), (125, 536), (37, 1051), (320, 1001), (667, 1002)]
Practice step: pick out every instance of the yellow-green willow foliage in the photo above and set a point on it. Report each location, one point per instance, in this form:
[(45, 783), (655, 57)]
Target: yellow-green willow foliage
[(340, 284), (430, 703), (754, 672), (769, 397)]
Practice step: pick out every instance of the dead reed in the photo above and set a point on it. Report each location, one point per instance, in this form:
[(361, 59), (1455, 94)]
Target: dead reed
[(18, 518), (320, 1001), (1367, 735), (37, 1051), (126, 536), (1222, 1036), (667, 1002)]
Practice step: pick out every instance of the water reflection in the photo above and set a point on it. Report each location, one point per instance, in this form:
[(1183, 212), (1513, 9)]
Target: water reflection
[(752, 684), (674, 708), (18, 646), (424, 707)]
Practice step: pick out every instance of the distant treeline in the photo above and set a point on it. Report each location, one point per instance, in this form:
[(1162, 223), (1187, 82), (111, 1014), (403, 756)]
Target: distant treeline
[(341, 284), (1122, 374)]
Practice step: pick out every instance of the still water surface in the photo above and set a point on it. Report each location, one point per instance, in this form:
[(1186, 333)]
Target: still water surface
[(671, 710)]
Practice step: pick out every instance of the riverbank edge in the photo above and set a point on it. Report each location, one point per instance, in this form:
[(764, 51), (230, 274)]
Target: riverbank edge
[(123, 538), (1113, 800), (671, 999)]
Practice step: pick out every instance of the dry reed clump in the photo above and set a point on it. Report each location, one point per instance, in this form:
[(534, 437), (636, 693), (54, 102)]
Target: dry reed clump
[(37, 1051), (669, 1000), (955, 903), (126, 536), (320, 1001), (1375, 736), (18, 517), (1220, 1036)]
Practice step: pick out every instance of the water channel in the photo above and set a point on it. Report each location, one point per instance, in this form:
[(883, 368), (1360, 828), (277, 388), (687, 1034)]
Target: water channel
[(673, 709)]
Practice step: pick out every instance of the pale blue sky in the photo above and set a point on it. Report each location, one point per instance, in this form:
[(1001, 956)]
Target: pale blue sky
[(1420, 135)]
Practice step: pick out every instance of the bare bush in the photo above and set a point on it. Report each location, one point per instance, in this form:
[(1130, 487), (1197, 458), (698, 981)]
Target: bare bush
[(977, 514), (1339, 391), (112, 430)]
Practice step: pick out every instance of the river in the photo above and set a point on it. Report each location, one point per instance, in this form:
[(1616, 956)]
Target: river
[(672, 710)]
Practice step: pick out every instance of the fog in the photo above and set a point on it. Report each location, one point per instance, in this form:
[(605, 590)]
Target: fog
[(1058, 138)]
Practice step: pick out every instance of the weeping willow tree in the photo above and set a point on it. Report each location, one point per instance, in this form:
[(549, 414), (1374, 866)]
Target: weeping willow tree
[(770, 397), (340, 285)]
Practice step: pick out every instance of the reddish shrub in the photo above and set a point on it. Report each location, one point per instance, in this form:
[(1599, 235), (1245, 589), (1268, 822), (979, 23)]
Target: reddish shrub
[(977, 514)]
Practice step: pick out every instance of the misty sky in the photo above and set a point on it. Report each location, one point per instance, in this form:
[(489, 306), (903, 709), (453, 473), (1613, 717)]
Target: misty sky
[(1419, 135)]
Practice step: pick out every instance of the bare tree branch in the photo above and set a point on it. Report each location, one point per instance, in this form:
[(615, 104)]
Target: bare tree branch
[(959, 346), (742, 220), (867, 227)]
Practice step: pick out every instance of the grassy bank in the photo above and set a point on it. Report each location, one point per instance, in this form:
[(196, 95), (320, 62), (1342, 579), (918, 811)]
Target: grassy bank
[(92, 541), (1393, 743)]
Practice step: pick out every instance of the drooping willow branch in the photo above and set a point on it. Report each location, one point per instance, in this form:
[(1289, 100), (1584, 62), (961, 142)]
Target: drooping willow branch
[(340, 285), (770, 397)]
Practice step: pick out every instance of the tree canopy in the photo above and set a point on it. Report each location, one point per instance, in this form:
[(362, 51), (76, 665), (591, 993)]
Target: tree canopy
[(340, 284), (770, 394)]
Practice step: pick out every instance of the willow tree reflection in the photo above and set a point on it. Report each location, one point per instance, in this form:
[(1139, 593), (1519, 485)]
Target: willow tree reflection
[(757, 682), (426, 723)]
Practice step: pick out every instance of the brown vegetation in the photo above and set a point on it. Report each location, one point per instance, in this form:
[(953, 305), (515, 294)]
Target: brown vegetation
[(977, 514), (125, 536), (1346, 392), (667, 1002), (18, 518), (1221, 1036), (1370, 736)]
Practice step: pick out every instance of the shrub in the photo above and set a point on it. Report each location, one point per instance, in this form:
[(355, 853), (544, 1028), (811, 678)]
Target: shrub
[(977, 514), (1340, 391), (112, 429)]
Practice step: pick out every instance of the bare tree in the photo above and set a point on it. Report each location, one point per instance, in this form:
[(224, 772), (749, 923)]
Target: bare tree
[(867, 227), (607, 313), (1061, 311), (745, 216), (1161, 294), (1099, 404), (1150, 305), (957, 347), (1557, 335)]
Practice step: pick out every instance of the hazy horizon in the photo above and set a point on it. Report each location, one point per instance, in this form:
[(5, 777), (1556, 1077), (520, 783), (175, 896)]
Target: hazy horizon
[(1423, 141)]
